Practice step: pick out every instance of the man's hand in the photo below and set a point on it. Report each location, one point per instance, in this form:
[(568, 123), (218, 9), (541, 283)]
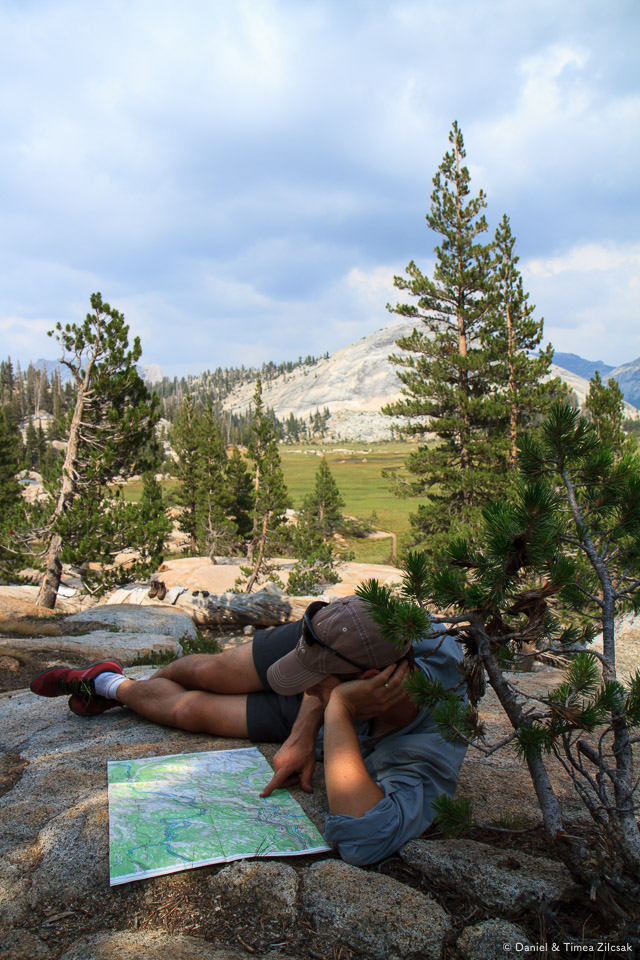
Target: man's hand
[(293, 763), (296, 759), (373, 696)]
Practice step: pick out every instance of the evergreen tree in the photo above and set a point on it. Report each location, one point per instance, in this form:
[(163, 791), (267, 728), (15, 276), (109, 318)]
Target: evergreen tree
[(270, 492), (292, 430), (240, 491), (41, 447), (10, 456), (216, 531), (31, 459), (447, 381), (113, 418), (153, 522), (6, 381), (326, 501), (605, 406), (315, 556), (10, 494), (510, 336), (96, 530), (186, 443)]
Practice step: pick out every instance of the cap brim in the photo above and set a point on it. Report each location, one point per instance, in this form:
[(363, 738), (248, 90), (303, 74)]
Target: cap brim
[(287, 676)]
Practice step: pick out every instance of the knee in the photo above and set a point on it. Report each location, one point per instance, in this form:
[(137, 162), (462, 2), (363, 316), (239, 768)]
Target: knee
[(184, 715)]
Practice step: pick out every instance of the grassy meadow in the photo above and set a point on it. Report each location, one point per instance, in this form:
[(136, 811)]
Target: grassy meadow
[(357, 469)]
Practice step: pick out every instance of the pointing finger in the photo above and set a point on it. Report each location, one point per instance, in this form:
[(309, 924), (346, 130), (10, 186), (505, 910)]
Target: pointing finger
[(278, 780)]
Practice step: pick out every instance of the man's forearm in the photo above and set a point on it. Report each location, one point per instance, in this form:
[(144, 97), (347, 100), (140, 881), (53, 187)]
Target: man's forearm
[(350, 789), (308, 721)]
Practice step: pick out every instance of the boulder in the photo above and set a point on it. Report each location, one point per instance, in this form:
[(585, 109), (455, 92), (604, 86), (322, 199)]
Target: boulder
[(134, 593), (493, 940), (126, 648), (373, 914), (161, 620), (149, 944), (17, 602), (504, 881), (200, 573), (267, 889)]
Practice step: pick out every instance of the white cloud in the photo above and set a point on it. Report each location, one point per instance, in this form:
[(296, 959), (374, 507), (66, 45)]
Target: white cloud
[(585, 259), (588, 296)]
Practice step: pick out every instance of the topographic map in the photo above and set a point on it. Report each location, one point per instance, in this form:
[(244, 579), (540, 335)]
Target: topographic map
[(187, 810)]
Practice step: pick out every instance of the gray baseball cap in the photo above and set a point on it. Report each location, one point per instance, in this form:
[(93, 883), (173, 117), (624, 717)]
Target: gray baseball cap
[(340, 629)]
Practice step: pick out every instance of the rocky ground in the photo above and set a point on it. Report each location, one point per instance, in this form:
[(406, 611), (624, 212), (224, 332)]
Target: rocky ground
[(462, 899)]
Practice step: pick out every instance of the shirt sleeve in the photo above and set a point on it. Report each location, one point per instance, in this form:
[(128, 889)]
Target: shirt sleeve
[(412, 775)]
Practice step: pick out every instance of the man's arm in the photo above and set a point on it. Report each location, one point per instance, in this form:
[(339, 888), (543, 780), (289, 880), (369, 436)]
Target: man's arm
[(350, 789), (296, 758)]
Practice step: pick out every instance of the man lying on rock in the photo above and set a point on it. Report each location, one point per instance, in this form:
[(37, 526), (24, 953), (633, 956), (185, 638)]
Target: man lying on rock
[(327, 685)]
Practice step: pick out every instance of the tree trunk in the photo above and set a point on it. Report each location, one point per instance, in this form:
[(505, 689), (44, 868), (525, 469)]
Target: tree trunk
[(551, 813), (261, 545), (514, 412), (47, 595), (53, 574)]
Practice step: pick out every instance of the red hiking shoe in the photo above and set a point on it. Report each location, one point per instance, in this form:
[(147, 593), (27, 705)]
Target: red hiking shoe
[(91, 707), (61, 681)]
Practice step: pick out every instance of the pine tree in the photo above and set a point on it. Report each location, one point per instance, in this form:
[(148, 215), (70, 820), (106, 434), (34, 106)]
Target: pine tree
[(216, 531), (10, 494), (326, 501), (31, 459), (10, 455), (185, 439), (446, 378), (113, 417), (270, 492), (605, 406), (153, 523), (510, 336), (240, 491), (6, 381)]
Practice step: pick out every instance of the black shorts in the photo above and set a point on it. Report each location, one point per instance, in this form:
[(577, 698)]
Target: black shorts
[(270, 715)]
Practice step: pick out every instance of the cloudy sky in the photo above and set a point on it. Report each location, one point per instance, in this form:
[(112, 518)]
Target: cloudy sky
[(243, 178)]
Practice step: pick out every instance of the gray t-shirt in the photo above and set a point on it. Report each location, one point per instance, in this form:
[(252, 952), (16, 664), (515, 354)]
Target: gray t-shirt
[(413, 766)]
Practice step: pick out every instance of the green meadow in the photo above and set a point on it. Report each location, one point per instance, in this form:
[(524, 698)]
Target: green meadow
[(357, 469)]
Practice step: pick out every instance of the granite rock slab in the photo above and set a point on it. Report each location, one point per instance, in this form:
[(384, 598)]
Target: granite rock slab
[(505, 881), (372, 913), (129, 617), (126, 648)]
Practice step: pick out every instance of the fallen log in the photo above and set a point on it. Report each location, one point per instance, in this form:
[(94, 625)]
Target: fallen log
[(265, 608)]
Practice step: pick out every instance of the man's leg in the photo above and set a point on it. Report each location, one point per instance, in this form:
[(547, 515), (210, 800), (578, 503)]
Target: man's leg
[(196, 711), (201, 693), (232, 671)]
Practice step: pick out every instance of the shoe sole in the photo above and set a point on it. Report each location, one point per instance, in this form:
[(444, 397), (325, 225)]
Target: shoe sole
[(50, 669), (93, 708)]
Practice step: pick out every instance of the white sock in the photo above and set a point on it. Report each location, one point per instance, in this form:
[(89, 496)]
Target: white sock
[(106, 684)]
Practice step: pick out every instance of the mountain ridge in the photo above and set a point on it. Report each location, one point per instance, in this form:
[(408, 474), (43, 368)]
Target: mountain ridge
[(355, 383), (584, 368)]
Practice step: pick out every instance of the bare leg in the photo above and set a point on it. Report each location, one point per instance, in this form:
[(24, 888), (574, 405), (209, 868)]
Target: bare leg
[(231, 671), (170, 704)]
